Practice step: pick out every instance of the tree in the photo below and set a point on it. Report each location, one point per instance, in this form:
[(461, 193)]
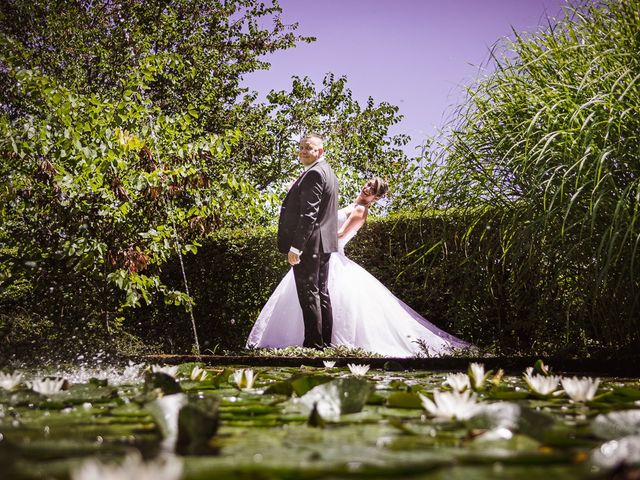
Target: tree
[(89, 46), (126, 137), (357, 140), (116, 136)]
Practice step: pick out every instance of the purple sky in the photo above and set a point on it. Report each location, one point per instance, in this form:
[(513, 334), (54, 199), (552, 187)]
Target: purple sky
[(416, 54)]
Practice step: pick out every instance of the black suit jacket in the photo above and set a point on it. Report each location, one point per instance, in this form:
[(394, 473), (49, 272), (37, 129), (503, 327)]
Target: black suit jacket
[(309, 213)]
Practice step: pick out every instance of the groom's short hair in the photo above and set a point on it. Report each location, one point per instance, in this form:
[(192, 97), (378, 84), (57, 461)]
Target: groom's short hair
[(313, 136)]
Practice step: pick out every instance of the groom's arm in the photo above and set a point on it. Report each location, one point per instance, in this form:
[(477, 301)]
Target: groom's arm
[(311, 190)]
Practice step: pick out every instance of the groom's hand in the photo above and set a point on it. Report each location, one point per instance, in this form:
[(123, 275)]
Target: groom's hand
[(293, 258)]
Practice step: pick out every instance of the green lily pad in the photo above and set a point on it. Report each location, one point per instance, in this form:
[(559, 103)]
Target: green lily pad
[(337, 397), (299, 383), (197, 424), (513, 417), (161, 381), (404, 400)]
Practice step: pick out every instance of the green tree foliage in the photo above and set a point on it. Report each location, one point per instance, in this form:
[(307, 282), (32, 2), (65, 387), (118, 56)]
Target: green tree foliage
[(91, 46), (545, 156), (116, 142), (98, 192), (125, 134), (358, 144)]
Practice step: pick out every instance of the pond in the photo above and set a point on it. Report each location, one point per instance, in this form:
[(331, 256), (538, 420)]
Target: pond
[(196, 422)]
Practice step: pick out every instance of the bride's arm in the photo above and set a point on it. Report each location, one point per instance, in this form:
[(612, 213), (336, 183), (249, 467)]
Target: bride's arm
[(354, 221)]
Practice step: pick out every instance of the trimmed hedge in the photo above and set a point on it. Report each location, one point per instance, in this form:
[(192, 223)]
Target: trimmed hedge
[(230, 278), (426, 260), (435, 262)]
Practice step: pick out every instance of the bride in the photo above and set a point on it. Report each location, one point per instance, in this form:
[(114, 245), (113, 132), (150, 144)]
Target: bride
[(365, 313)]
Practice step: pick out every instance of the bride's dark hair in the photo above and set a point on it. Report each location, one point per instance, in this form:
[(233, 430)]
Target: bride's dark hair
[(379, 186)]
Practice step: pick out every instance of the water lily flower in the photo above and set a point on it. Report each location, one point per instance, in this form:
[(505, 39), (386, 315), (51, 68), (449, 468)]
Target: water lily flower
[(458, 381), (616, 424), (9, 380), (249, 377), (46, 386), (169, 370), (451, 405), (244, 378), (238, 376), (540, 384), (614, 453), (329, 363), (165, 410), (580, 389), (477, 374), (358, 370), (164, 468), (199, 374)]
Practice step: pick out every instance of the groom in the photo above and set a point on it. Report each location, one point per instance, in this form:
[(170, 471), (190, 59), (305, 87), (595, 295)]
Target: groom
[(308, 233)]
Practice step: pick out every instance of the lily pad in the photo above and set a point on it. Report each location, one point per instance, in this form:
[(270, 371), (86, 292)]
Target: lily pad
[(162, 381), (299, 383), (337, 397), (404, 400), (513, 417), (197, 424)]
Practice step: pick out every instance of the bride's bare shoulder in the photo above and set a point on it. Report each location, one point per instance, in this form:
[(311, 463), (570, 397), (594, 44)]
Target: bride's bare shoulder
[(356, 211)]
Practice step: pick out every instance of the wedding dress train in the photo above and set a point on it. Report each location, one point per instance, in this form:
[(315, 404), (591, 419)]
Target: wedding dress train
[(365, 315)]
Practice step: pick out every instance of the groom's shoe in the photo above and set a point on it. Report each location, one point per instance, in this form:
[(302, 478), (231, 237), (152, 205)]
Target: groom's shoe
[(315, 346)]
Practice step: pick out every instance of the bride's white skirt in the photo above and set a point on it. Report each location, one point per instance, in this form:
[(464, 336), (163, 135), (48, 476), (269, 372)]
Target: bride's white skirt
[(365, 315)]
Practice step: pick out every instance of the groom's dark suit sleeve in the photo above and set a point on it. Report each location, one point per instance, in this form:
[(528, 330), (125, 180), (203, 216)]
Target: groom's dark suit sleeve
[(311, 190)]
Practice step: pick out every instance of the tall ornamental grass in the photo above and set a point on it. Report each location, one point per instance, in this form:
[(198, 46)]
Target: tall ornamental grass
[(544, 155)]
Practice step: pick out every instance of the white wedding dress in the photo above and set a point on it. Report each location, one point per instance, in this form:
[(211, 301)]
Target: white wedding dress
[(365, 314)]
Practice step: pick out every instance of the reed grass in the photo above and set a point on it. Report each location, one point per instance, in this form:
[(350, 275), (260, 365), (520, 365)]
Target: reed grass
[(545, 155)]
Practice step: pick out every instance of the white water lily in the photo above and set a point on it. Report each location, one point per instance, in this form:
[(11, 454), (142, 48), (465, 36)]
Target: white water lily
[(249, 377), (244, 378), (458, 381), (612, 425), (540, 384), (621, 451), (477, 374), (169, 370), (133, 466), (580, 389), (358, 370), (46, 386), (165, 410), (9, 380), (238, 376), (199, 374), (329, 363), (451, 405)]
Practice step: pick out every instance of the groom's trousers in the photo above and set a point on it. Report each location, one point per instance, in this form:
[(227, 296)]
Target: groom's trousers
[(312, 275)]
